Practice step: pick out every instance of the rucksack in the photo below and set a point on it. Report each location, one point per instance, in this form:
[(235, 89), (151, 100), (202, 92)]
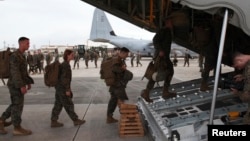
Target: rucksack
[(4, 64), (156, 70), (51, 73), (149, 71), (106, 71)]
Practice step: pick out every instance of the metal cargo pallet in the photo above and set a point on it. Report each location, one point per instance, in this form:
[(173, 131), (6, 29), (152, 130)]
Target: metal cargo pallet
[(186, 116)]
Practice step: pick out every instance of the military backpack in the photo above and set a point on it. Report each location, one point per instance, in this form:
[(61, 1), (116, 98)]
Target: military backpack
[(149, 71), (51, 73), (5, 64), (106, 71)]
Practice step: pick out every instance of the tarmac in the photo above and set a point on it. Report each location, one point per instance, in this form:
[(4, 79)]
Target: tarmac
[(90, 98)]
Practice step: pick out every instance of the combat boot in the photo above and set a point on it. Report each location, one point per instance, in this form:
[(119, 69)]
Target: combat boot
[(166, 94), (55, 123), (79, 122), (2, 130), (110, 119), (204, 86), (145, 95), (19, 131)]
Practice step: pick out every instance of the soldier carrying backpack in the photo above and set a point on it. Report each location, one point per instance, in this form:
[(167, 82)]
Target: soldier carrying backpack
[(64, 94), (117, 80), (19, 83), (162, 44)]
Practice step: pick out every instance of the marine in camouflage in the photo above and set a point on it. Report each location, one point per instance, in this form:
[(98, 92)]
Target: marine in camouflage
[(19, 77), (61, 99)]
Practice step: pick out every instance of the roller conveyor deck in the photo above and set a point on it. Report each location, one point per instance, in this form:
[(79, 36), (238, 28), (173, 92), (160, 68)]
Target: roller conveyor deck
[(186, 116)]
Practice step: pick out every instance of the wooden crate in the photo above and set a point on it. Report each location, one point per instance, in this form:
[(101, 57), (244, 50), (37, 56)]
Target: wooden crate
[(130, 124)]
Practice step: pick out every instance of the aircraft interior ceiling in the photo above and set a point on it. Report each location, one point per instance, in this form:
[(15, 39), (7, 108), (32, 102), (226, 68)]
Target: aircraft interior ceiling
[(187, 22)]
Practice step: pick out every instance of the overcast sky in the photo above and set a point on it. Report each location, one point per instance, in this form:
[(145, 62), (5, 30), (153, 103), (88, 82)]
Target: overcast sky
[(55, 22)]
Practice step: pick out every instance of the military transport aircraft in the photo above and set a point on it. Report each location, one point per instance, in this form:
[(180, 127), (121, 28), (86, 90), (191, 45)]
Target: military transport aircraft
[(101, 31)]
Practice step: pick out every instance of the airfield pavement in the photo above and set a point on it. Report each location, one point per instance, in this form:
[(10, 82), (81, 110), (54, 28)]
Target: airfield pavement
[(90, 98)]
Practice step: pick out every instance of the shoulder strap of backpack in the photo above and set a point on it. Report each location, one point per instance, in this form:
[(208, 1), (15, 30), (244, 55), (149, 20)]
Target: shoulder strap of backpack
[(3, 81)]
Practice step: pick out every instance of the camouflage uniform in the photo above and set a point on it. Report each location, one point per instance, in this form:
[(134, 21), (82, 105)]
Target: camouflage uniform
[(48, 58), (19, 77), (56, 57), (96, 56), (76, 60), (30, 62), (40, 63), (201, 60), (245, 94), (87, 57), (35, 61), (175, 60), (132, 59), (117, 91), (61, 99), (138, 59), (167, 76), (104, 56), (162, 42), (209, 64), (186, 59)]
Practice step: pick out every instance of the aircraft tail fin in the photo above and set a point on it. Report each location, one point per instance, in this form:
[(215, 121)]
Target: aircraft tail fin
[(101, 29)]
